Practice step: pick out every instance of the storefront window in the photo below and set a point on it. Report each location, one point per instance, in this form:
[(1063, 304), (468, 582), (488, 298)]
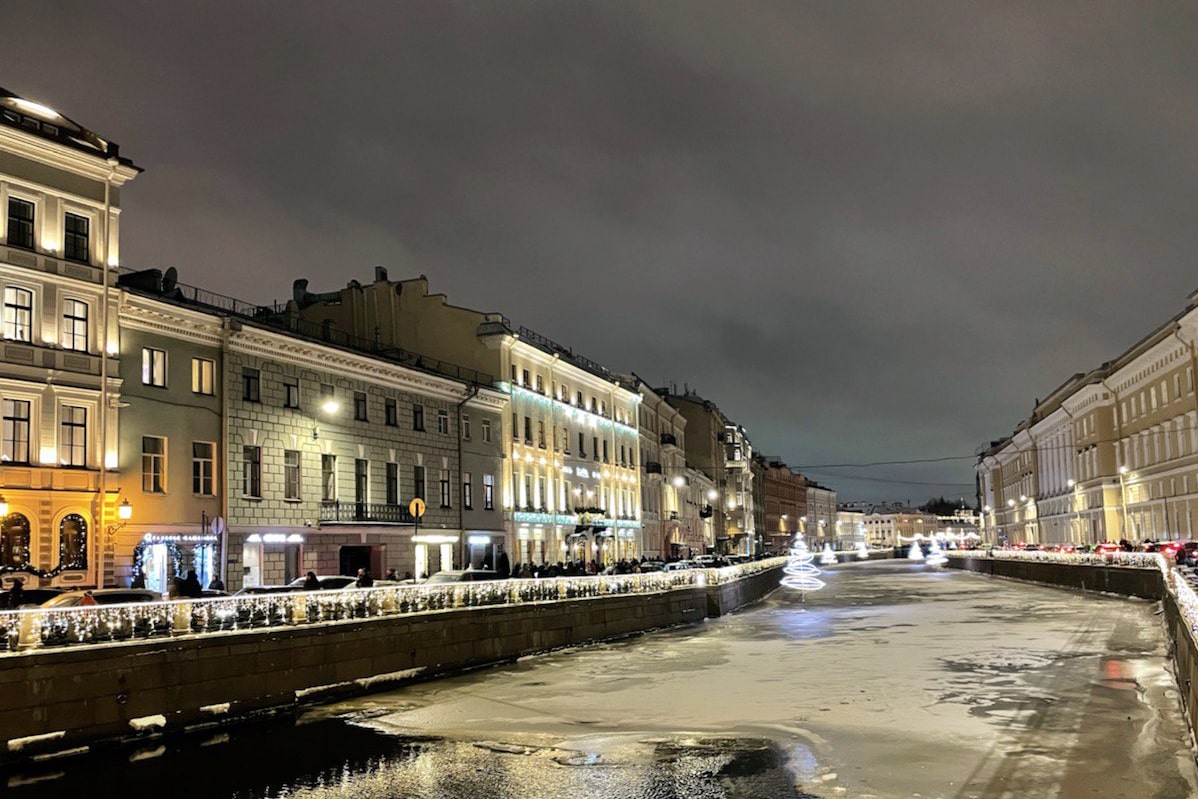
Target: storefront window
[(72, 542), (14, 541)]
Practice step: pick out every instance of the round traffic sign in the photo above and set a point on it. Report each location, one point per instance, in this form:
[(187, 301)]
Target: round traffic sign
[(416, 507)]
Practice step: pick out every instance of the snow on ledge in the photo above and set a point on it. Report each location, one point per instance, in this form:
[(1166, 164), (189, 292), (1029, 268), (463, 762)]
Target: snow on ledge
[(393, 676), (216, 710), (144, 723), (17, 744), (319, 689)]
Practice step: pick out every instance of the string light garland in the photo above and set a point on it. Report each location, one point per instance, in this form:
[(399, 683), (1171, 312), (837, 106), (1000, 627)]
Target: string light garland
[(97, 624), (799, 573)]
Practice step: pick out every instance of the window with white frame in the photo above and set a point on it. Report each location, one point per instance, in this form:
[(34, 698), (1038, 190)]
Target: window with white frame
[(328, 478), (15, 431), (443, 422), (251, 471), (203, 468), (153, 465), (72, 439), (486, 427), (465, 427), (203, 376), (74, 325), (153, 367), (291, 474), (18, 314), (444, 488)]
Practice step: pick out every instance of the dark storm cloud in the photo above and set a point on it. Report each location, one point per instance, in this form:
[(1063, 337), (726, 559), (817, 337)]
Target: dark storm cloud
[(867, 231)]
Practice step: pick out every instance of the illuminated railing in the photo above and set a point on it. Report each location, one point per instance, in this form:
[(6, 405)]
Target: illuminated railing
[(1133, 560), (34, 628), (1187, 600)]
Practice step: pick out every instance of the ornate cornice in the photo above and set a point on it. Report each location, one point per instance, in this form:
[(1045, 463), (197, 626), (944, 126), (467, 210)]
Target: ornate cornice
[(141, 313)]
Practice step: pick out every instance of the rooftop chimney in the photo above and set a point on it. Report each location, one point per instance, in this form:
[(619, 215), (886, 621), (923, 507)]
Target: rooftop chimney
[(380, 274)]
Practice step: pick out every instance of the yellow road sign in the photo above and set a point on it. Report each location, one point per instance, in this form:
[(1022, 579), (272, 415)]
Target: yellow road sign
[(416, 507)]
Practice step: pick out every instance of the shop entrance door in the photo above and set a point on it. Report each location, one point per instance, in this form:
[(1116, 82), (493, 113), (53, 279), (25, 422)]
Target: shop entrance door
[(156, 566), (354, 558)]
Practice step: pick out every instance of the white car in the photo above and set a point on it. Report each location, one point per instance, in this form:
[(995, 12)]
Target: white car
[(103, 596)]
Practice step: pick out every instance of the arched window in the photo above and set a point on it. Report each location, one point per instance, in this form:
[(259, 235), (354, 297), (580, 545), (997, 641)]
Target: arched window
[(14, 541), (72, 542)]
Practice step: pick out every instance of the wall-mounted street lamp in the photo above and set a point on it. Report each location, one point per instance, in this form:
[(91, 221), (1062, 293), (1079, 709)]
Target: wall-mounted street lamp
[(3, 506)]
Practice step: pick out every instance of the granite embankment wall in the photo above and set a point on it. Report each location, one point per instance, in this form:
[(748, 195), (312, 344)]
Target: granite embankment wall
[(57, 699), (1145, 583)]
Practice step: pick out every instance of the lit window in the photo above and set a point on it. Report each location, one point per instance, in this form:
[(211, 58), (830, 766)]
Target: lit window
[(153, 367), (203, 376), (18, 314), (72, 445), (74, 326)]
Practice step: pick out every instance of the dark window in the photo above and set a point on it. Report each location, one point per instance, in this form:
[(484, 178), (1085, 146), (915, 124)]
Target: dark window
[(465, 427), (417, 417), (361, 475), (489, 491), (360, 406), (20, 223), (251, 385), (14, 541), (444, 488), (595, 450), (467, 491), (72, 541), (527, 429), (390, 413), (605, 450), (392, 483), (541, 433), (251, 471), (524, 375), (75, 244), (582, 446), (418, 480), (72, 444), (515, 427), (290, 392), (16, 432)]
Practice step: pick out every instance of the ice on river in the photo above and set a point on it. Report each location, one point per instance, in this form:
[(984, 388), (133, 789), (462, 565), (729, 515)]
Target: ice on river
[(894, 681)]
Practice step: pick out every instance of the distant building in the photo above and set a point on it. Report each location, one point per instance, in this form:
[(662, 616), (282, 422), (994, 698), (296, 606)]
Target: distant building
[(570, 488), (784, 495), (820, 524)]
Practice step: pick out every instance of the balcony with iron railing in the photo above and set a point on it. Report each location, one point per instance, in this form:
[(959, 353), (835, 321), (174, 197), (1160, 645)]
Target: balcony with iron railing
[(335, 512), (669, 440)]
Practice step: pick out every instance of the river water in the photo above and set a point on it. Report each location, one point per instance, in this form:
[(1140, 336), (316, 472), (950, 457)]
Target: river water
[(896, 680)]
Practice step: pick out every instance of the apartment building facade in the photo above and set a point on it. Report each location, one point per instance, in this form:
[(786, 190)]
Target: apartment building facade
[(60, 187)]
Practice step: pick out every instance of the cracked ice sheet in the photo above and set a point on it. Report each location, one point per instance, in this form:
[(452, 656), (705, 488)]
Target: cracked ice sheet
[(896, 680)]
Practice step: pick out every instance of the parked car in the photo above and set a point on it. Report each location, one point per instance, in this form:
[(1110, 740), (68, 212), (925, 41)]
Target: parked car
[(1187, 553), (1107, 546), (30, 597), (328, 582), (461, 576), (680, 565), (705, 561), (652, 566), (257, 590), (103, 596)]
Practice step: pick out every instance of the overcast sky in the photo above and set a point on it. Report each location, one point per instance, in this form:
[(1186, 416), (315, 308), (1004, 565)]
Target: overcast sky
[(867, 231)]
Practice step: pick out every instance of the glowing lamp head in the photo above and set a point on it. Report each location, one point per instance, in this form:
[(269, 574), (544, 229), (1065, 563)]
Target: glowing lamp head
[(712, 494), (1010, 503), (330, 406), (1123, 470), (125, 511), (679, 481)]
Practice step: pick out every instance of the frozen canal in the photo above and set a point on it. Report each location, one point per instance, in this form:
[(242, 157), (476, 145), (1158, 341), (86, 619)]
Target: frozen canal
[(894, 681)]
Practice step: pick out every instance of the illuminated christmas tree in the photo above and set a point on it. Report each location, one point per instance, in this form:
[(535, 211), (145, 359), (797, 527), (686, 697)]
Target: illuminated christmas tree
[(800, 574), (862, 550), (827, 557), (936, 557), (916, 551)]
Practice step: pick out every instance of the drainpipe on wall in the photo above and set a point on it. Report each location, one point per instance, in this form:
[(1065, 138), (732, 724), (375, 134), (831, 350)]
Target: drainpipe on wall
[(103, 526), (471, 392), (1118, 445)]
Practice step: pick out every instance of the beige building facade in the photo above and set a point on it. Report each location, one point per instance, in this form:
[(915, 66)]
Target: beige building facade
[(60, 382)]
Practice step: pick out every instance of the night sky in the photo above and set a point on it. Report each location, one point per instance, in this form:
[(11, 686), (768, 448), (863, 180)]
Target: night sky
[(867, 231)]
